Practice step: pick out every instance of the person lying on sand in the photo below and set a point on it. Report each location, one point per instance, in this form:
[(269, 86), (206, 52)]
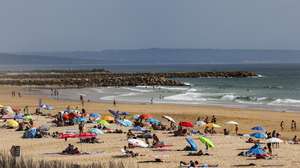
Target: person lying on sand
[(71, 150), (199, 153), (130, 153), (194, 164)]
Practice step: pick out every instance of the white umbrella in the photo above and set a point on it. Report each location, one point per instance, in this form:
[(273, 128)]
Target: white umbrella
[(200, 123), (169, 118), (232, 123), (138, 143), (274, 140)]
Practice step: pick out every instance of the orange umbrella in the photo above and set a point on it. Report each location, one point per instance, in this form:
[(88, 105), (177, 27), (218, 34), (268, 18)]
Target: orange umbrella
[(146, 116), (108, 118)]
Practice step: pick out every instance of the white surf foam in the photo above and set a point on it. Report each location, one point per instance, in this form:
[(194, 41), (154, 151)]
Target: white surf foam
[(189, 96)]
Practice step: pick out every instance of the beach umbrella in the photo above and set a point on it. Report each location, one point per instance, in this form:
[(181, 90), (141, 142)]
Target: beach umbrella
[(258, 128), (8, 117), (138, 143), (12, 123), (138, 128), (44, 128), (136, 117), (232, 123), (27, 117), (95, 115), (169, 118), (103, 122), (256, 150), (145, 116), (153, 121), (258, 135), (108, 118), (212, 125), (19, 117), (125, 122), (207, 141), (80, 119), (200, 123), (96, 131), (192, 143), (186, 124), (274, 140)]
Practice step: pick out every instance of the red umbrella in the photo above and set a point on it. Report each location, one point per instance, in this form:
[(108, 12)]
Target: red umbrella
[(146, 116), (82, 135), (186, 124)]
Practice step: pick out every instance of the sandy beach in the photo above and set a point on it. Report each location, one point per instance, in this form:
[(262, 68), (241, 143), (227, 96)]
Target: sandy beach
[(224, 154)]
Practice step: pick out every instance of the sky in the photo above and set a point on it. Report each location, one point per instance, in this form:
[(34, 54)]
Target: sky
[(72, 25)]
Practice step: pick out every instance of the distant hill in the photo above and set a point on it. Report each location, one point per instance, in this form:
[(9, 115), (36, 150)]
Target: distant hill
[(178, 56), (27, 59)]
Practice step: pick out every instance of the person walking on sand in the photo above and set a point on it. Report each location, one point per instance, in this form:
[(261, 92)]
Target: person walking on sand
[(114, 102), (236, 129), (282, 125), (151, 100), (81, 127), (82, 100), (19, 94), (293, 124)]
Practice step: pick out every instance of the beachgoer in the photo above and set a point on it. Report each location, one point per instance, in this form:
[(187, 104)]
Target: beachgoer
[(151, 100), (269, 145), (295, 140), (155, 140), (282, 125), (206, 120), (19, 94), (236, 129), (114, 102), (213, 119), (81, 127)]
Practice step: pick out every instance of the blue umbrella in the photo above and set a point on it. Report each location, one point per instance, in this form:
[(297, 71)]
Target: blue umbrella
[(18, 117), (138, 128), (153, 121), (96, 131), (258, 128), (95, 115), (192, 143), (256, 150), (125, 123), (258, 135), (80, 119)]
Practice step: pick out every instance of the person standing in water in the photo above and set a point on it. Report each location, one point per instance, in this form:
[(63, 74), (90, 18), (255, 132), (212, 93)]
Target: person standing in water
[(236, 129), (82, 100)]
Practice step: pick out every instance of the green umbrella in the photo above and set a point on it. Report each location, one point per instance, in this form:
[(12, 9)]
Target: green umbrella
[(207, 141), (103, 122)]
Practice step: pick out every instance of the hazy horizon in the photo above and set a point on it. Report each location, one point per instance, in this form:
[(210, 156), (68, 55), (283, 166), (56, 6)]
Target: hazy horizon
[(74, 25)]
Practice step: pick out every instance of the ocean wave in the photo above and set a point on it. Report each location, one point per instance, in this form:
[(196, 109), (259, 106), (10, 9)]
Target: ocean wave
[(138, 90), (189, 96), (174, 88), (286, 101)]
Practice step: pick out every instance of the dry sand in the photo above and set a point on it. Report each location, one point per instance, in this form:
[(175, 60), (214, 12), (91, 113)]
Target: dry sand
[(224, 154)]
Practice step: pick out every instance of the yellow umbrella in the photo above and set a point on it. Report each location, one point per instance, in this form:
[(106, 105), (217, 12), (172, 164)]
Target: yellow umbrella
[(12, 123), (1, 106), (212, 125), (108, 118)]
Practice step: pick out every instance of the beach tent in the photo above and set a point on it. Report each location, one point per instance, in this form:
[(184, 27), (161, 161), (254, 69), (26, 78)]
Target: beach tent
[(212, 125), (274, 140), (258, 128), (186, 124), (125, 122), (108, 118), (145, 116), (200, 123), (232, 123), (12, 124), (192, 143), (258, 135), (153, 121), (138, 143), (169, 118), (30, 133), (96, 131), (207, 141)]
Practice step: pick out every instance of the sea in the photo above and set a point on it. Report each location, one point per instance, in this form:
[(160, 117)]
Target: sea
[(277, 87)]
